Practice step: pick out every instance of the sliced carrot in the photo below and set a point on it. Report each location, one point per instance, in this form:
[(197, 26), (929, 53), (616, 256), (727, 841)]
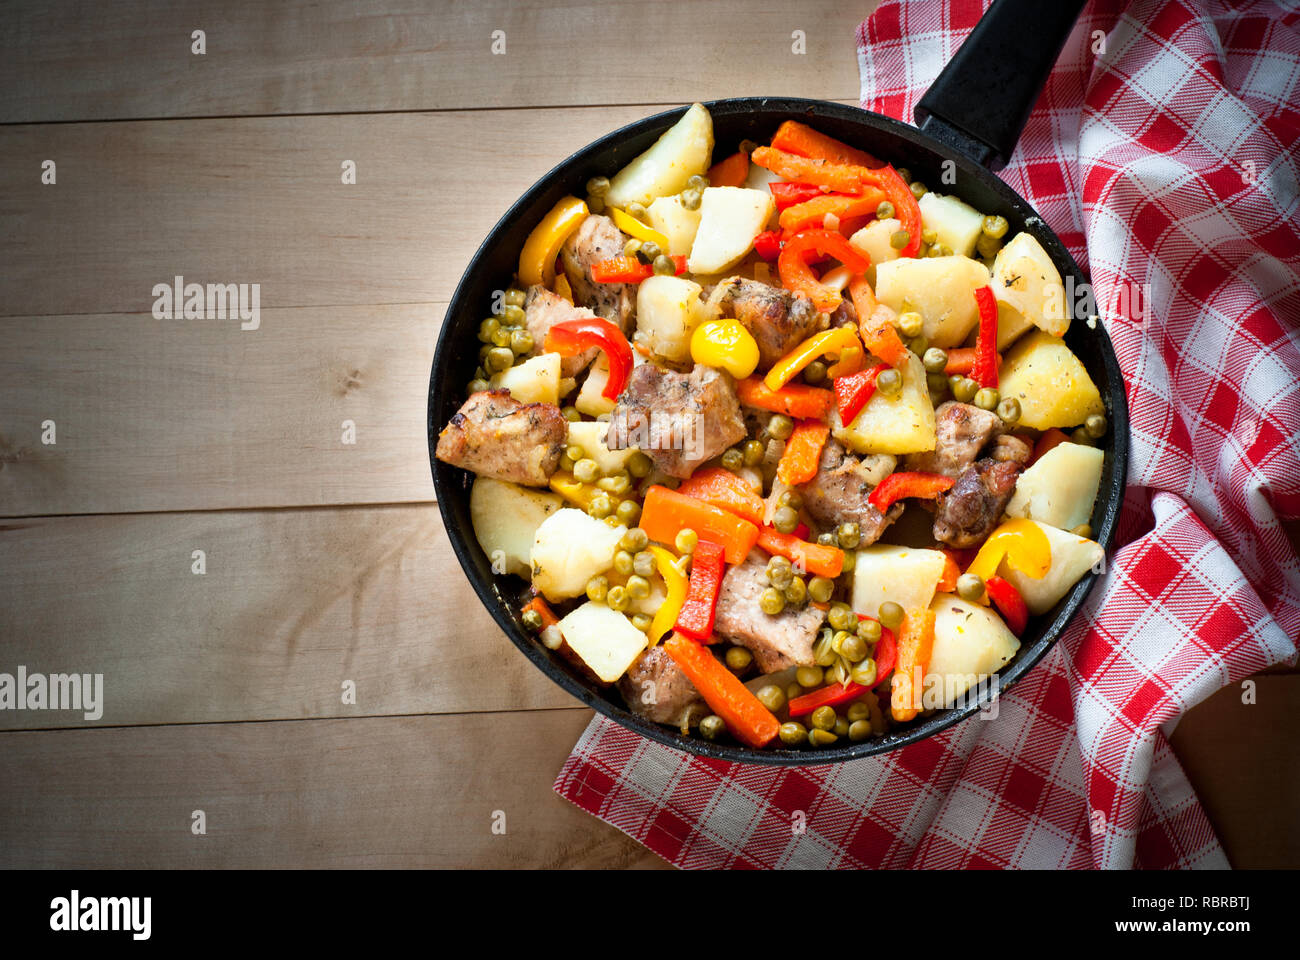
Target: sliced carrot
[(961, 360), (1052, 438), (846, 178), (731, 172), (951, 571), (812, 213), (882, 339), (915, 647), (796, 400), (799, 138), (748, 720), (666, 513), (864, 299), (725, 490), (802, 452), (816, 558), (543, 610)]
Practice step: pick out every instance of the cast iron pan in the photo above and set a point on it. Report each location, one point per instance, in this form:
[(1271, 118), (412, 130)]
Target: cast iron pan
[(971, 117)]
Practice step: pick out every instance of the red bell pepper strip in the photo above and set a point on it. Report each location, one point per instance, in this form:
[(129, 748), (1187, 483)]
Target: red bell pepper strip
[(906, 209), (628, 269), (853, 392), (571, 337), (985, 370), (896, 486), (797, 276), (768, 244), (790, 194), (695, 619), (748, 720), (817, 558), (1009, 603), (829, 696)]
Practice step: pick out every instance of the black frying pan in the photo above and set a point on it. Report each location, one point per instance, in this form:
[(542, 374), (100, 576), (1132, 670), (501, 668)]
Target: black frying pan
[(971, 117)]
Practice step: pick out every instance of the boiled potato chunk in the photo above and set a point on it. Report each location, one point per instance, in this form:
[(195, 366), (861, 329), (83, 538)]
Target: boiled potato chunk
[(903, 423), (536, 380), (681, 153), (1027, 281), (940, 289), (506, 517), (668, 309), (674, 221), (1053, 388), (1072, 557), (590, 435), (873, 240), (904, 575), (957, 225), (971, 644), (1059, 489), (1011, 324), (590, 398), (730, 219), (604, 639), (569, 549)]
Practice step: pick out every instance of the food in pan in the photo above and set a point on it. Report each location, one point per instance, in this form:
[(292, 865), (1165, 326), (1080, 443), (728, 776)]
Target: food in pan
[(784, 446)]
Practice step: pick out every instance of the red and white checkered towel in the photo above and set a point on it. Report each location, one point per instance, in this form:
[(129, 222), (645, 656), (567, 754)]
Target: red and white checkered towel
[(1163, 152)]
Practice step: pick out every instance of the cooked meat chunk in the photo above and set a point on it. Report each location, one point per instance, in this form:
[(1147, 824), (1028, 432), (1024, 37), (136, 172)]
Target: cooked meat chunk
[(495, 435), (778, 642), (777, 318), (598, 239), (678, 420), (838, 494), (969, 510), (1009, 447), (542, 310), (655, 688), (960, 431)]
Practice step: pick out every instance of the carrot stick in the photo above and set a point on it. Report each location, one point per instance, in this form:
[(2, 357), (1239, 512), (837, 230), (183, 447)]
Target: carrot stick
[(883, 341), (796, 400), (543, 610), (951, 571), (748, 720), (666, 513), (1052, 438), (812, 213), (730, 172), (816, 558), (802, 452), (846, 178), (915, 647), (961, 360), (799, 138), (725, 490), (864, 299)]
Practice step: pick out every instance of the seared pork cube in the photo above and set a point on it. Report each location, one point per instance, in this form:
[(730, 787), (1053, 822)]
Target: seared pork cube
[(838, 494), (542, 310), (777, 642), (968, 511), (778, 319), (960, 432), (678, 420), (657, 689), (598, 239), (494, 435)]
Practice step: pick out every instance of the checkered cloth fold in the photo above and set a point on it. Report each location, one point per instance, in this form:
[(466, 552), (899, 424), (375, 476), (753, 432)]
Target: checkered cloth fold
[(1163, 153)]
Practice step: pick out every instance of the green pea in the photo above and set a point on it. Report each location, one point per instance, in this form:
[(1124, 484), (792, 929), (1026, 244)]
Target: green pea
[(772, 601), (664, 266), (642, 621), (597, 589), (771, 696), (521, 342), (712, 727), (918, 345), (899, 239), (636, 210), (780, 426), (691, 199), (644, 564), (585, 470), (796, 594), (733, 460), (823, 718), (936, 384), (808, 677), (753, 453), (617, 598), (488, 329), (864, 670), (904, 174), (1095, 426), (791, 498), (632, 247), (598, 186), (910, 323), (935, 360), (628, 512), (502, 338), (738, 658), (889, 382), (821, 738), (513, 314), (686, 541), (919, 189), (970, 587), (638, 588), (929, 236), (996, 227), (821, 589), (964, 389), (859, 730), (785, 519), (987, 398), (499, 359), (477, 386), (1009, 409), (634, 540), (850, 561), (857, 711), (828, 539), (616, 483), (885, 211), (792, 734), (639, 465), (890, 615), (697, 182), (532, 620), (650, 250), (600, 507), (869, 630), (1081, 437), (815, 372), (850, 535), (987, 246), (623, 563), (779, 572), (853, 649), (841, 728), (841, 617), (793, 690)]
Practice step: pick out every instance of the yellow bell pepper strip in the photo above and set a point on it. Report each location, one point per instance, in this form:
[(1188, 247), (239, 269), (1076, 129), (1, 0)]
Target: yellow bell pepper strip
[(915, 647), (727, 345), (850, 361), (635, 228), (675, 582), (797, 276), (562, 287), (575, 491), (1018, 541), (819, 344), (537, 258)]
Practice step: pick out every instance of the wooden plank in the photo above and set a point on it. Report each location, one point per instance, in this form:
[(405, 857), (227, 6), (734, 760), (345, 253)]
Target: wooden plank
[(184, 415), (390, 792), (91, 61), (292, 604)]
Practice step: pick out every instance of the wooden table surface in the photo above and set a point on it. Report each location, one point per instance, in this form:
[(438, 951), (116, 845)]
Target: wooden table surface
[(324, 563)]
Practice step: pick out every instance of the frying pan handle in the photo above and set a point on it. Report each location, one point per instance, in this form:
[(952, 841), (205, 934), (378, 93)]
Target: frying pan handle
[(980, 102)]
